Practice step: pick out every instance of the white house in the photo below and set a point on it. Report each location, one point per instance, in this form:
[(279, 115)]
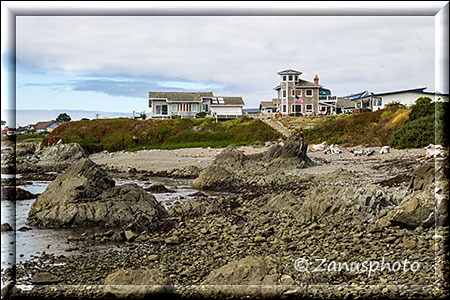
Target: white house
[(188, 104), (406, 97)]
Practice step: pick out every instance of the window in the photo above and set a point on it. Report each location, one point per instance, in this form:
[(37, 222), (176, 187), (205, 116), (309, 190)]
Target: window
[(296, 108), (290, 77), (309, 93), (194, 107), (358, 105), (292, 92), (205, 107), (298, 93), (296, 77), (161, 109), (309, 108), (284, 108), (174, 107), (284, 93), (377, 102), (284, 77)]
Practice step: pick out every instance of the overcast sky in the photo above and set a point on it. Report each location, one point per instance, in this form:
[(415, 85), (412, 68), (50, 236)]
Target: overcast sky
[(111, 63)]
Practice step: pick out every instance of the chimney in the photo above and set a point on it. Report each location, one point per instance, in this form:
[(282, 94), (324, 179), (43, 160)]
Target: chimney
[(316, 79)]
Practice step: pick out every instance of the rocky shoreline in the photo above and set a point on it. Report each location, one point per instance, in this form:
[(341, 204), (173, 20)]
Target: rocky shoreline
[(289, 206)]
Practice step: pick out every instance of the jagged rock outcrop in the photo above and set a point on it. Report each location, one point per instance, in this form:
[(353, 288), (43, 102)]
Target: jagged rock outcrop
[(86, 196), (233, 169), (330, 204), (137, 283), (24, 149), (53, 158), (12, 193), (427, 196)]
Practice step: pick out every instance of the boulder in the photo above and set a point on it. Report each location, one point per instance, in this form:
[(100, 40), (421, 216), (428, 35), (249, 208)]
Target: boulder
[(45, 278), (318, 147), (384, 150), (362, 151), (8, 193), (214, 177), (248, 277), (86, 196), (332, 149), (25, 149), (419, 205), (6, 227), (137, 283), (433, 151), (53, 158), (158, 188), (186, 172)]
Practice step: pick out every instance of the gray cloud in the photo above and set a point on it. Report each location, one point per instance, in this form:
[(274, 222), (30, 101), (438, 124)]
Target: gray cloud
[(241, 54)]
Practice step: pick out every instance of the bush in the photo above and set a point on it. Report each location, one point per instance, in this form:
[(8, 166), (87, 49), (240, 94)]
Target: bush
[(414, 134), (424, 126), (395, 104), (201, 115)]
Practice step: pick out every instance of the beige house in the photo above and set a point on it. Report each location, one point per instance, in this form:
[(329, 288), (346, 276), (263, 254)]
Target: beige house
[(296, 95)]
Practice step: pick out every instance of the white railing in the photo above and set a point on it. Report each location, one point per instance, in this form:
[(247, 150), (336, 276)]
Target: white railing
[(328, 98)]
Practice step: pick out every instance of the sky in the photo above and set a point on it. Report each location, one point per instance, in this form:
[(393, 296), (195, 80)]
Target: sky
[(110, 63)]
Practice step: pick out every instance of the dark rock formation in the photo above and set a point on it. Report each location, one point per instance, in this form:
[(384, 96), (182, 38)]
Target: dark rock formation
[(233, 169), (422, 201), (86, 196), (11, 193)]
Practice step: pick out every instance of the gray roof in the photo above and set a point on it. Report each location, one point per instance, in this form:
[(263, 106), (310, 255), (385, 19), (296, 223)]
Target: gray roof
[(305, 83), (289, 72), (342, 102), (180, 96), (230, 101), (268, 104)]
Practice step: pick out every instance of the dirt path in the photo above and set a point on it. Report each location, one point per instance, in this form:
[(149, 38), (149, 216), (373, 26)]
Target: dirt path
[(277, 126)]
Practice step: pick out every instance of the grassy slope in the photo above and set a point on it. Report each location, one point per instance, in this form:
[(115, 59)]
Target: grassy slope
[(368, 128), (117, 134)]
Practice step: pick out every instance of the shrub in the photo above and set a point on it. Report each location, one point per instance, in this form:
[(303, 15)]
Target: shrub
[(424, 126), (414, 134), (201, 115), (395, 104)]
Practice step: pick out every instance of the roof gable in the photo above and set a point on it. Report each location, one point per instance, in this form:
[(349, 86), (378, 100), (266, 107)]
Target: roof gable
[(227, 101), (180, 96), (43, 125), (305, 83)]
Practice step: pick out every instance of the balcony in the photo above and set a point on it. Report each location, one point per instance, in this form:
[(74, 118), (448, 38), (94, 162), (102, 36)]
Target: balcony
[(327, 98)]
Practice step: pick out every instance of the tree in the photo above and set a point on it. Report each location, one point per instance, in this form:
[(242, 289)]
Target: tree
[(423, 100), (3, 123), (63, 117)]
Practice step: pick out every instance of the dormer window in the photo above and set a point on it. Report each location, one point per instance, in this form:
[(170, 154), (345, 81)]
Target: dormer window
[(290, 77), (284, 77)]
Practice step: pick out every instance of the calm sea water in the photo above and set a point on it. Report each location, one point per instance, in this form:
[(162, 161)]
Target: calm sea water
[(22, 245)]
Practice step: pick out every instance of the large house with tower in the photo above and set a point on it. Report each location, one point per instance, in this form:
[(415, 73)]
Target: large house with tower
[(299, 96)]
